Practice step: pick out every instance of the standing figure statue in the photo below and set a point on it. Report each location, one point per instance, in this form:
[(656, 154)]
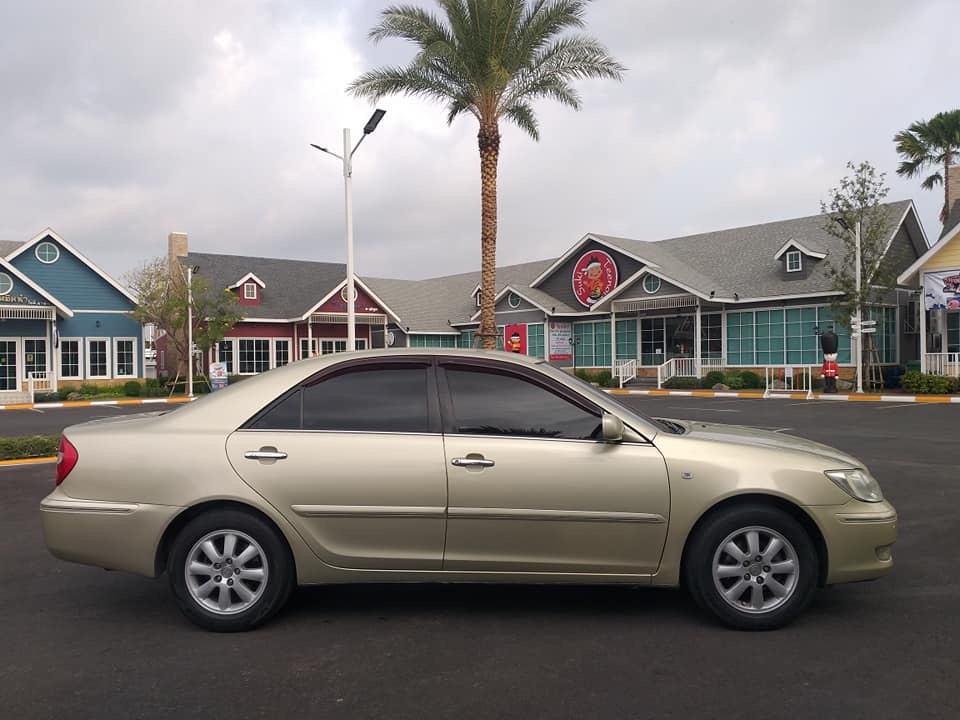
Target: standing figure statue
[(829, 343)]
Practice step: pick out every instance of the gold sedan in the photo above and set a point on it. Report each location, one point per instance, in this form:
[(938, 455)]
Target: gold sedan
[(457, 466)]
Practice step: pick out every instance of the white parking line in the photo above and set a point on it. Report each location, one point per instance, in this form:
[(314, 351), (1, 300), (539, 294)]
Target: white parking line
[(704, 409), (900, 406)]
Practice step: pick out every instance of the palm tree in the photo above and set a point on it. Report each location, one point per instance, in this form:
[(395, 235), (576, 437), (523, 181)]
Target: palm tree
[(490, 58), (927, 144)]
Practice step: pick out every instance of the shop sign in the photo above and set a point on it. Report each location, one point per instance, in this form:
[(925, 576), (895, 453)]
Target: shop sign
[(19, 300), (942, 290), (218, 376), (594, 275), (561, 337), (515, 339)]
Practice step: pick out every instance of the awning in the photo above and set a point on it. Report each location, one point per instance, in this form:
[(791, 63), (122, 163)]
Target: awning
[(27, 312), (341, 319), (659, 303)]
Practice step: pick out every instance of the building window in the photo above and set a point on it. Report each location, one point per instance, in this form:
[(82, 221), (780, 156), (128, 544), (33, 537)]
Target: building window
[(98, 359), (338, 346), (769, 335), (535, 340), (740, 338), (652, 341), (125, 364), (281, 352), (70, 359), (513, 300), (651, 284), (592, 344), (794, 262), (225, 354), (885, 338), (6, 284), (253, 356), (626, 339), (249, 291), (782, 337), (711, 335), (47, 253), (308, 347), (435, 341), (953, 332), (478, 298), (34, 356), (466, 339)]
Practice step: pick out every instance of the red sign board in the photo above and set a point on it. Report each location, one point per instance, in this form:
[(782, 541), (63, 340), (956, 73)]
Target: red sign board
[(515, 339), (594, 276)]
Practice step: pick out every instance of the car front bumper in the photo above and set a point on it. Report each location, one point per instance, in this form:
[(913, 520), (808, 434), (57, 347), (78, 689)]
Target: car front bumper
[(111, 535), (859, 538)]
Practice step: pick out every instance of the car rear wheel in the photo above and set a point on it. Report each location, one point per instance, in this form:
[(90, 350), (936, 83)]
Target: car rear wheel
[(229, 571), (753, 567)]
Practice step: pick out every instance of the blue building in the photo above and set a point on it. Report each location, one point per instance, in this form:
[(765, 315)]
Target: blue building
[(62, 320)]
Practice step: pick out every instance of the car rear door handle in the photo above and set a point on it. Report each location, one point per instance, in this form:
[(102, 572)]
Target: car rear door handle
[(472, 461), (265, 453)]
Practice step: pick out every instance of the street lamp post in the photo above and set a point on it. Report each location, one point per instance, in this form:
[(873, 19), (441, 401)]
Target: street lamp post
[(857, 324), (191, 269), (347, 160)]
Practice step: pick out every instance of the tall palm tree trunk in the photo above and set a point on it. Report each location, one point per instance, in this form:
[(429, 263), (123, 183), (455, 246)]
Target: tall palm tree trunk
[(489, 141)]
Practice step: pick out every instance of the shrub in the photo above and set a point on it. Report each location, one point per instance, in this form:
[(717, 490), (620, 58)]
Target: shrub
[(231, 379), (733, 380), (605, 378), (926, 384), (65, 390), (89, 389), (132, 389), (46, 397), (751, 381), (714, 377), (682, 383), (153, 388), (28, 446)]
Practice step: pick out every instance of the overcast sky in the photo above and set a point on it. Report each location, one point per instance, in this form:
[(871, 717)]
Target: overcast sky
[(124, 120)]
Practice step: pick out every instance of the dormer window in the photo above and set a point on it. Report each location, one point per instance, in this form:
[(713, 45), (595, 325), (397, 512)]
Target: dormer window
[(478, 298), (249, 291), (794, 261)]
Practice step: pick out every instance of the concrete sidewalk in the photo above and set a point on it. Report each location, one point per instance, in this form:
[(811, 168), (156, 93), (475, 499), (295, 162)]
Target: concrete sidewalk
[(94, 403), (783, 395)]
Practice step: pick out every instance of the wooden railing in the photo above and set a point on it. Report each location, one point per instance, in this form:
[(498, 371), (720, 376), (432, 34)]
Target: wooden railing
[(40, 381)]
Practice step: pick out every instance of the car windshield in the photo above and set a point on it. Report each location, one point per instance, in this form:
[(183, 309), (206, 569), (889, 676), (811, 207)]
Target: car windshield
[(591, 391)]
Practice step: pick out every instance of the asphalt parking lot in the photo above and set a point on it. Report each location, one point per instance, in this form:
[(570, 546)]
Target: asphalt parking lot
[(83, 643)]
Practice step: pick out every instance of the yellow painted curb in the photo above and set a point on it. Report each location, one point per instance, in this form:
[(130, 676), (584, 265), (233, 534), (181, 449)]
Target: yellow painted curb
[(27, 461)]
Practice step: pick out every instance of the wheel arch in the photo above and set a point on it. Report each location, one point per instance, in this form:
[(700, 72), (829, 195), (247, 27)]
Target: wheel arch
[(188, 514), (772, 501)]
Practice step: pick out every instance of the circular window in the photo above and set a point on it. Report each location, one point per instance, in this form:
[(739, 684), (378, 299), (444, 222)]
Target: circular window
[(651, 283), (513, 300), (47, 252), (6, 284)]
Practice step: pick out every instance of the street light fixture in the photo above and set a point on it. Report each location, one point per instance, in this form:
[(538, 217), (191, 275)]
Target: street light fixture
[(347, 160), (857, 323)]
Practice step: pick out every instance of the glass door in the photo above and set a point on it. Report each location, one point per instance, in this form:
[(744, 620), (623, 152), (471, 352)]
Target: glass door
[(679, 336), (8, 365)]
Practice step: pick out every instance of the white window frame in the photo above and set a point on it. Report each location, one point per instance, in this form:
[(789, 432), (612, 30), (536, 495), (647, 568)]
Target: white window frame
[(478, 298), (794, 255), (36, 252), (7, 279), (643, 284), (360, 341), (233, 353), (310, 350), (273, 351), (87, 354), (247, 288), (80, 357), (510, 300), (46, 345), (236, 361), (116, 364), (20, 369)]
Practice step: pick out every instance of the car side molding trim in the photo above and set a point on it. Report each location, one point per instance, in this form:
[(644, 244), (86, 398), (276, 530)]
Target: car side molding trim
[(369, 511), (87, 506), (575, 515)]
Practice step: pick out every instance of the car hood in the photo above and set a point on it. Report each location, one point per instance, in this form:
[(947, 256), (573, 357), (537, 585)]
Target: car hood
[(752, 437)]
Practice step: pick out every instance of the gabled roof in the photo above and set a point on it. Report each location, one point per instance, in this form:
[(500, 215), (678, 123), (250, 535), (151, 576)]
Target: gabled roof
[(40, 237), (8, 268), (797, 245), (601, 239), (905, 277), (249, 277), (537, 298)]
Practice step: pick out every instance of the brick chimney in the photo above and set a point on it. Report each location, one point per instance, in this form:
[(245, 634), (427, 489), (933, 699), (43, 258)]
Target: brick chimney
[(177, 247)]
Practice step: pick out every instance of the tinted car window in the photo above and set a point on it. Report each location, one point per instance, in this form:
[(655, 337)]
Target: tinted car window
[(384, 399), (284, 415), (490, 403)]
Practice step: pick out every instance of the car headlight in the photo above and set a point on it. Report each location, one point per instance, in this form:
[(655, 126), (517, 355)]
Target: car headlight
[(857, 483)]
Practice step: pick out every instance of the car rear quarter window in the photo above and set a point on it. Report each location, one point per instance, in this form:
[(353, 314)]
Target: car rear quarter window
[(390, 398), (486, 402)]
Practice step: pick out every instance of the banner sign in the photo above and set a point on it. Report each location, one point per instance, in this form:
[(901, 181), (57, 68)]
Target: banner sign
[(594, 276), (218, 376), (941, 290), (561, 333), (515, 339)]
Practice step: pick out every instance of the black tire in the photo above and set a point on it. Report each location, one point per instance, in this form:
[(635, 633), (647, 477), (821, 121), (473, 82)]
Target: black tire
[(703, 553), (272, 559)]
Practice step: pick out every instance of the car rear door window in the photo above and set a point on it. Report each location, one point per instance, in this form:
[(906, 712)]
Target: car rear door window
[(391, 398), (486, 402)]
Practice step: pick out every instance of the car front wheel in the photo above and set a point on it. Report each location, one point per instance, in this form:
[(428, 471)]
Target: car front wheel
[(229, 571), (753, 567)]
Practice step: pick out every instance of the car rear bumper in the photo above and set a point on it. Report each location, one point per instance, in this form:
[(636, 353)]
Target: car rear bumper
[(859, 539), (112, 535)]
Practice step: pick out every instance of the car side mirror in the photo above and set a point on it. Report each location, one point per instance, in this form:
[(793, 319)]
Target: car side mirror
[(612, 427)]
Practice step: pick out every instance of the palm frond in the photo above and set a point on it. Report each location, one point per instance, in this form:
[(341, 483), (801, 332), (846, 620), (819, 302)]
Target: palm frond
[(542, 21), (416, 81), (408, 22), (521, 115), (932, 181)]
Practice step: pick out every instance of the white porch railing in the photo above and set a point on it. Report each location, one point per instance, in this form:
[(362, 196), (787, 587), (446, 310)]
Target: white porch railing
[(625, 370), (40, 381), (687, 367), (947, 364), (787, 379)]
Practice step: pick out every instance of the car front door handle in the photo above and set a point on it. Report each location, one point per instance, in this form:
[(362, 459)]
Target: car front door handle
[(472, 461)]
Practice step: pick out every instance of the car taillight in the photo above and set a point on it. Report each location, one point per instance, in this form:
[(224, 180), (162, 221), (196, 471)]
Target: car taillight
[(66, 458)]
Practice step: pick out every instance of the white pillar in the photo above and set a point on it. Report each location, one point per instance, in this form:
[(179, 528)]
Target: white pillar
[(309, 337), (348, 202), (696, 342), (923, 328), (189, 331), (859, 315), (613, 340)]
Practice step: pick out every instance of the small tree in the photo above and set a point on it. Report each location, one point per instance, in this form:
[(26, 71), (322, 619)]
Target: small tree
[(859, 197), (163, 300)]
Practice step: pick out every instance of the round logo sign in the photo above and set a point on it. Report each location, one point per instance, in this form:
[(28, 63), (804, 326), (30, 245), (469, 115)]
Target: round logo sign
[(594, 276)]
